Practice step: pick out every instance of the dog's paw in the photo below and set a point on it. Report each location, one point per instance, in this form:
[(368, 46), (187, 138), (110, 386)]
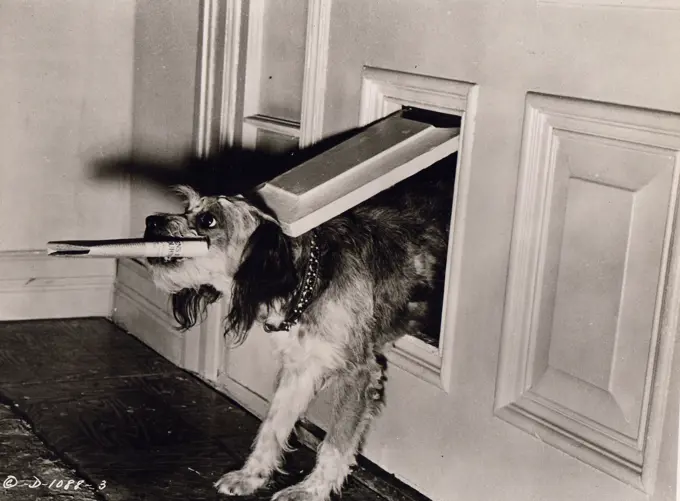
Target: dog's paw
[(240, 482), (299, 492)]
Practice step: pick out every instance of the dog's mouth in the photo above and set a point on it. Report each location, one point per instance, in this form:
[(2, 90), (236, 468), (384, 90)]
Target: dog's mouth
[(163, 262), (168, 262)]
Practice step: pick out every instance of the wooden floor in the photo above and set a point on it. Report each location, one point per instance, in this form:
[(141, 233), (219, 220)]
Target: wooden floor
[(82, 400)]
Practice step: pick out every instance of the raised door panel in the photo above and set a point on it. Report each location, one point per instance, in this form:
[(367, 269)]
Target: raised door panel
[(579, 355), (282, 58)]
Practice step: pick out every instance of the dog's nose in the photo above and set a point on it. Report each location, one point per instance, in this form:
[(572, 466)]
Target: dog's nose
[(154, 222)]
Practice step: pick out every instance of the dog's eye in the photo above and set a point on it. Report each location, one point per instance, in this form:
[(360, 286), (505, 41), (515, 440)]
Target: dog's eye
[(205, 220)]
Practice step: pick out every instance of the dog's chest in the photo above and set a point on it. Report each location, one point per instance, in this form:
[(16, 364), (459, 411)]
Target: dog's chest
[(298, 347)]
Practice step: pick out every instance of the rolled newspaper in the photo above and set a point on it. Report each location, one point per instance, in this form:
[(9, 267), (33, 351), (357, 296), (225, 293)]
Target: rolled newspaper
[(131, 247)]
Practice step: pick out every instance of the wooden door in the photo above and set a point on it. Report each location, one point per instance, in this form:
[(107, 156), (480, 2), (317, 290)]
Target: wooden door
[(553, 378)]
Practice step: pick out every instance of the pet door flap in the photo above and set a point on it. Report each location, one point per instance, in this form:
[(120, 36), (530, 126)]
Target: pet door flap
[(373, 160)]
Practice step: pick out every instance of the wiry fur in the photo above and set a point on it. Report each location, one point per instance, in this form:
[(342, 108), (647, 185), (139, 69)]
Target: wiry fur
[(379, 264)]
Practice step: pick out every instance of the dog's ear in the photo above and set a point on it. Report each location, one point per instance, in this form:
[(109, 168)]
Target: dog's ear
[(189, 305), (267, 273), (186, 193)]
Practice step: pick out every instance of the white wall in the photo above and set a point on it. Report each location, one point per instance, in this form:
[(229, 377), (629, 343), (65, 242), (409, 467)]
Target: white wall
[(165, 47), (66, 98), (165, 42)]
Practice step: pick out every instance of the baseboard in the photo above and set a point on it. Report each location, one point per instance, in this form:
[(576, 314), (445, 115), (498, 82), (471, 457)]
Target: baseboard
[(143, 311), (34, 285), (248, 399)]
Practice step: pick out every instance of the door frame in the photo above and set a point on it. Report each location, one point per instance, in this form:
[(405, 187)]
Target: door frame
[(229, 57)]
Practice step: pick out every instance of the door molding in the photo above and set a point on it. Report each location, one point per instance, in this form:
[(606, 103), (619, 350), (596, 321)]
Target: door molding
[(219, 61), (216, 124), (316, 67), (384, 92)]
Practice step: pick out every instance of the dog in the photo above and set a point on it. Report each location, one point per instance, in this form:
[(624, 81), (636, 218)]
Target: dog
[(332, 300)]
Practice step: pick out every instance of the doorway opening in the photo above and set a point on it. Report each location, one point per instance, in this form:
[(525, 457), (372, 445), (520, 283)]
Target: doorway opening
[(438, 181)]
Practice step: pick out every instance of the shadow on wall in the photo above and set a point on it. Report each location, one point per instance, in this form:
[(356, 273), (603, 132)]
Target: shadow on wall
[(231, 171)]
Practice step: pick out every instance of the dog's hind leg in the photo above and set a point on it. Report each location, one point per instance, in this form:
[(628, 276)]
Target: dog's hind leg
[(295, 389), (359, 398)]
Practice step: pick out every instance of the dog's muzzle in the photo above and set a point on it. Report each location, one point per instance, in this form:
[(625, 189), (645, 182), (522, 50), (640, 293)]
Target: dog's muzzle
[(156, 226), (157, 229)]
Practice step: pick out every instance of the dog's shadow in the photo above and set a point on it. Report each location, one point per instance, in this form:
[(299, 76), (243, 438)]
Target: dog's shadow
[(230, 171)]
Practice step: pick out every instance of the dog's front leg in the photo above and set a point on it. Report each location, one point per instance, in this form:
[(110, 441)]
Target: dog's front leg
[(295, 389), (358, 399)]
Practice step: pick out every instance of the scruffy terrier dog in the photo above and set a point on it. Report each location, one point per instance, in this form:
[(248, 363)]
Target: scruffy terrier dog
[(331, 299)]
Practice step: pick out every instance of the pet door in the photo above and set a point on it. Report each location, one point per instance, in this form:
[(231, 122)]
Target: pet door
[(411, 139), (377, 158)]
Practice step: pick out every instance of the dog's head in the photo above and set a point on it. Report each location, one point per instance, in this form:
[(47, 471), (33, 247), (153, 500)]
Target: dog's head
[(227, 222), (249, 261)]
